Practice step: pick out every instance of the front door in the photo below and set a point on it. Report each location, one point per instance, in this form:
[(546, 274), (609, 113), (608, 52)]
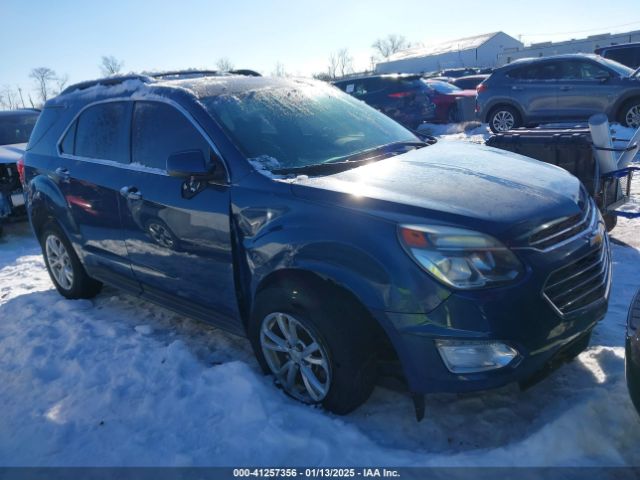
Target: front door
[(179, 244), (585, 88)]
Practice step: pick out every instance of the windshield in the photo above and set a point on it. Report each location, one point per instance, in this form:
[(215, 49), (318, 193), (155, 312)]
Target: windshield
[(16, 128), (442, 87), (623, 70), (295, 126)]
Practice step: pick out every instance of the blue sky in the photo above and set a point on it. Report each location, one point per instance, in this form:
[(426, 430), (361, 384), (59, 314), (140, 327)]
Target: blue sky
[(71, 36)]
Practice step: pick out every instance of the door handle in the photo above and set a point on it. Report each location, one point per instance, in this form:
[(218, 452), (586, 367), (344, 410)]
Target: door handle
[(63, 174), (565, 88), (131, 193), (517, 89)]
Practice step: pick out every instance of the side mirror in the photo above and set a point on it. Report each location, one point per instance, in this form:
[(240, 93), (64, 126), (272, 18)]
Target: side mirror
[(189, 163)]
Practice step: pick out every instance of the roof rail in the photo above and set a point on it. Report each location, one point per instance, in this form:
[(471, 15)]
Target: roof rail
[(177, 74), (107, 82)]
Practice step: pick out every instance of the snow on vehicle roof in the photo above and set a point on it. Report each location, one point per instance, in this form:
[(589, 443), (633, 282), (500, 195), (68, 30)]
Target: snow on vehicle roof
[(200, 86)]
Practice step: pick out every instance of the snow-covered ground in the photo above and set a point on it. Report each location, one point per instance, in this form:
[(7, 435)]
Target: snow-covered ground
[(119, 381)]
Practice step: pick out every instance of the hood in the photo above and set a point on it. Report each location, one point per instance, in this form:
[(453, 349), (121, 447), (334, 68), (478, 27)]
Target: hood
[(454, 183), (11, 153)]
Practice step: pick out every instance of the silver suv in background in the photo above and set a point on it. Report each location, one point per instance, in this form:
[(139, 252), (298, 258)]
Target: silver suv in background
[(562, 88)]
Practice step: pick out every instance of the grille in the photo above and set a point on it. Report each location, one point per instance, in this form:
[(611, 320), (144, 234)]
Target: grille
[(581, 283), (551, 235)]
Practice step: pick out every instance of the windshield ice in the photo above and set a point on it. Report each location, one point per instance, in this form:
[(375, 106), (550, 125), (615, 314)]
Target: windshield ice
[(302, 124)]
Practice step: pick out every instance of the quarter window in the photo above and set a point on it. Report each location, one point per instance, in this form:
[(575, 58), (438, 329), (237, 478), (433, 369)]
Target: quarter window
[(160, 130), (101, 132)]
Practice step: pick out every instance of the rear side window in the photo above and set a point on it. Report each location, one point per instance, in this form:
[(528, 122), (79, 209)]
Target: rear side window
[(101, 132), (160, 130), (537, 71)]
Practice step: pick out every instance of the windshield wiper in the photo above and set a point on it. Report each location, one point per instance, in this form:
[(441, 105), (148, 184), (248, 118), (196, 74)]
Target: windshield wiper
[(353, 160), (385, 149)]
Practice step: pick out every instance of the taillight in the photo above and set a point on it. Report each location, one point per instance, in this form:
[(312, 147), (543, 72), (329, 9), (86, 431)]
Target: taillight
[(20, 167), (481, 88), (400, 94)]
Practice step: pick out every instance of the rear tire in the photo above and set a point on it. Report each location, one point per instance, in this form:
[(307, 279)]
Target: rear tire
[(340, 330), (66, 272), (504, 118)]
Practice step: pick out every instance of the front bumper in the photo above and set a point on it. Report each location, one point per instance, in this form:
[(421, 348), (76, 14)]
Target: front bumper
[(518, 315)]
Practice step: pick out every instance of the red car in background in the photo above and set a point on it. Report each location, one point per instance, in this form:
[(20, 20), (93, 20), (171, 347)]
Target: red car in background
[(446, 97)]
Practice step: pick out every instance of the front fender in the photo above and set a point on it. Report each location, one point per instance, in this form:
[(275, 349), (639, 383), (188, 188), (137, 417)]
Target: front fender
[(356, 251)]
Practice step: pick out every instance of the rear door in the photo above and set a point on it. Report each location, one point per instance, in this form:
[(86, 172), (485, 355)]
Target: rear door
[(535, 88), (585, 87), (179, 244), (93, 151)]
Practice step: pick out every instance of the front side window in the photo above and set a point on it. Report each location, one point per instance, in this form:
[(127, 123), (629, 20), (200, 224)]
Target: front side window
[(101, 133), (581, 70), (158, 131), (302, 124)]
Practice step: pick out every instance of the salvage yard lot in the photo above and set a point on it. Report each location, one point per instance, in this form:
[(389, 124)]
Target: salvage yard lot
[(119, 381)]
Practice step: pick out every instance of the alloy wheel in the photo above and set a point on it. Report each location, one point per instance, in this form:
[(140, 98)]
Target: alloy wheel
[(59, 261), (503, 121), (632, 118), (161, 235), (296, 357)]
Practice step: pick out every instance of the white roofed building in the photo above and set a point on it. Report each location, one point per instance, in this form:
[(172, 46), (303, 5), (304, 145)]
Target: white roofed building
[(478, 51)]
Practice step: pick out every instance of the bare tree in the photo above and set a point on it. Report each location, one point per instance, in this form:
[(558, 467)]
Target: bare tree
[(61, 82), (224, 64), (345, 62), (9, 98), (110, 65), (43, 77), (279, 70), (391, 44), (332, 69), (21, 97)]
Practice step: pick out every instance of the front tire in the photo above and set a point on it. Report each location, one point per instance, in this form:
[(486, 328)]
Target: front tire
[(319, 350), (66, 272), (503, 119)]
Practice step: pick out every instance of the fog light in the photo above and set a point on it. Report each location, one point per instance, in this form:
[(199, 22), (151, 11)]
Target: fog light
[(469, 356)]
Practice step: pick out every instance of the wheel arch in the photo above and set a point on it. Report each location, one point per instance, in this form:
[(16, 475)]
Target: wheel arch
[(323, 285), (618, 109), (503, 103), (45, 203)]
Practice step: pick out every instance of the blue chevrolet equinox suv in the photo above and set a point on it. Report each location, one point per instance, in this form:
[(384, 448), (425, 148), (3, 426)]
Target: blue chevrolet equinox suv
[(346, 248)]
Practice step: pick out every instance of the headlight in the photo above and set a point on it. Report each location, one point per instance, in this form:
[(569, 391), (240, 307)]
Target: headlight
[(458, 257)]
